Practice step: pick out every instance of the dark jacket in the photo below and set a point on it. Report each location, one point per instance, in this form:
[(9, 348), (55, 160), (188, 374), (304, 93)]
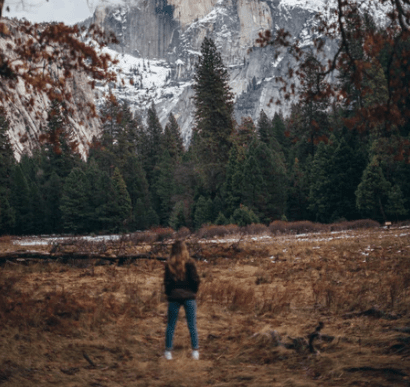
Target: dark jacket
[(178, 290)]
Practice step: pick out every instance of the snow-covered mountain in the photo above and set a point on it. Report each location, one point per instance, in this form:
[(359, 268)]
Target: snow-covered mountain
[(160, 42)]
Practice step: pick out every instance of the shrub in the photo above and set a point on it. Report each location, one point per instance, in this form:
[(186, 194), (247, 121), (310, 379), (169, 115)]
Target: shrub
[(221, 220), (178, 219), (217, 231), (278, 227), (212, 231), (163, 233), (243, 216), (255, 229), (183, 232), (6, 239), (299, 227), (143, 237), (231, 294), (354, 225), (305, 226)]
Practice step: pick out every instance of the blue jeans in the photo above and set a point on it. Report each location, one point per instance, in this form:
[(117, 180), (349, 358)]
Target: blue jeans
[(190, 312)]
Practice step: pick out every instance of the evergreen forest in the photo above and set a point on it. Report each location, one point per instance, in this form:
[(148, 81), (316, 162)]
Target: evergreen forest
[(310, 165)]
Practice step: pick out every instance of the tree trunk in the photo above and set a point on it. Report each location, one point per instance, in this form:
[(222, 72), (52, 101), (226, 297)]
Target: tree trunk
[(32, 255), (1, 7)]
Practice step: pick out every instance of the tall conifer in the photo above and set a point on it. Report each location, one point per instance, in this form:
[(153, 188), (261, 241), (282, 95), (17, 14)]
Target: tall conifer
[(153, 143), (6, 165), (372, 192), (213, 102), (172, 139)]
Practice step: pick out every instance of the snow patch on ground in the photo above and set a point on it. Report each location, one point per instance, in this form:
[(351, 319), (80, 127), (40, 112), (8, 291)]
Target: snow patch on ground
[(313, 237)]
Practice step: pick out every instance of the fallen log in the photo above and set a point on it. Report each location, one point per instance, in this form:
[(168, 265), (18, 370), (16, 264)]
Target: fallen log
[(65, 256)]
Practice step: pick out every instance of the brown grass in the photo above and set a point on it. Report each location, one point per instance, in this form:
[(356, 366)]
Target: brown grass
[(280, 227), (217, 231), (354, 225), (299, 227), (257, 304)]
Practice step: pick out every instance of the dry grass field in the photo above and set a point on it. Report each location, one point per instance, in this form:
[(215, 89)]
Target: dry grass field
[(89, 323)]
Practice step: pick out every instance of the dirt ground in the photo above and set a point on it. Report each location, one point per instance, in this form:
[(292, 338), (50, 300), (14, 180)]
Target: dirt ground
[(89, 323)]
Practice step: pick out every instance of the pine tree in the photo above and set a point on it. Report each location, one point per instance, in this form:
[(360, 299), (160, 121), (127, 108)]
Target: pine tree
[(107, 211), (20, 201), (298, 190), (267, 133), (172, 140), (243, 216), (60, 151), (396, 203), (347, 167), (313, 123), (164, 187), (74, 202), (221, 220), (123, 201), (120, 136), (281, 134), (322, 184), (243, 135), (152, 218), (372, 192), (213, 102), (7, 215), (202, 212), (177, 218), (232, 189), (36, 210), (52, 192), (138, 189), (153, 145), (253, 181), (94, 194), (264, 186)]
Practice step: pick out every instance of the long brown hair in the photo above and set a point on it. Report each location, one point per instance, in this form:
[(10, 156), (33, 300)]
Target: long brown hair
[(179, 257)]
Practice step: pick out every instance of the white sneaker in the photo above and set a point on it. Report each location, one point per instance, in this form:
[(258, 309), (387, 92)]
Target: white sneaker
[(195, 354), (168, 355)]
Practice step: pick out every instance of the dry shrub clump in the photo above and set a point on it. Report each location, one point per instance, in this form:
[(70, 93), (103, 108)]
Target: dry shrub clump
[(354, 225), (243, 297), (299, 227), (157, 234), (230, 294), (183, 232), (217, 231), (362, 287), (255, 229), (55, 310), (6, 239), (143, 237), (67, 312), (164, 233)]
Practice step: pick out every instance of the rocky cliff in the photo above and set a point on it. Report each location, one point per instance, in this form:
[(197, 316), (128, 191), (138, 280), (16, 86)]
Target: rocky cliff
[(27, 119), (160, 42)]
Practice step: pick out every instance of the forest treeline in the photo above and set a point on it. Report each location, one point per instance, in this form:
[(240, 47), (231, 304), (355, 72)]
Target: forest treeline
[(138, 175)]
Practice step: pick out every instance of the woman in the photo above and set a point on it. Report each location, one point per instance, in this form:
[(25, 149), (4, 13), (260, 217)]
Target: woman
[(181, 285)]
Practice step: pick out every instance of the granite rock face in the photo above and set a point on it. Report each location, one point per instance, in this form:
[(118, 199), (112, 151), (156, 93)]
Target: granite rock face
[(159, 45), (169, 33), (25, 122)]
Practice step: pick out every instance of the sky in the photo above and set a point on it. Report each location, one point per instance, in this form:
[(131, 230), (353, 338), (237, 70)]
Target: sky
[(67, 11)]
